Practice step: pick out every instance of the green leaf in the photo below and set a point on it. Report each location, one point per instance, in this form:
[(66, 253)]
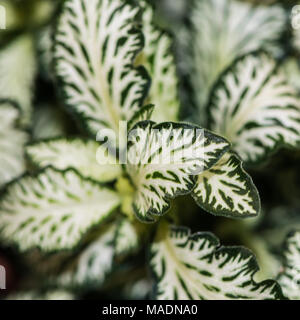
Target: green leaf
[(158, 59), (222, 31), (53, 210), (82, 155), (92, 265), (227, 190), (193, 266), (163, 161), (255, 108), (96, 42), (17, 74), (12, 143), (289, 278)]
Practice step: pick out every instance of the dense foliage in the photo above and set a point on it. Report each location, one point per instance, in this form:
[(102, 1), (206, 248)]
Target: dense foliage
[(98, 101)]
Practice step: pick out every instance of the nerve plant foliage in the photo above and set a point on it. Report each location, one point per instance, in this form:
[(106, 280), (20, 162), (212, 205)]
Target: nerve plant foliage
[(94, 201)]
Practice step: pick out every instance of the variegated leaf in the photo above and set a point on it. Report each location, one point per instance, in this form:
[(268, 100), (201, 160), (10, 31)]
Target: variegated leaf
[(17, 74), (255, 108), (222, 31), (96, 42), (144, 114), (227, 190), (92, 265), (12, 143), (76, 153), (53, 210), (289, 279), (158, 59), (127, 238), (193, 266), (163, 161)]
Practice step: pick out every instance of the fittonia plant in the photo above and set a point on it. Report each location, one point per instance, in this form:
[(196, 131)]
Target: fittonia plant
[(91, 214)]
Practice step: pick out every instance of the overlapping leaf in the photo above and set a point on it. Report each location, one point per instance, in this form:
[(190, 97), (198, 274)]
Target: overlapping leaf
[(77, 153), (127, 238), (53, 209), (224, 30), (193, 266), (92, 265), (227, 190), (289, 279), (255, 108), (12, 142), (158, 59), (96, 42), (163, 160), (144, 114), (17, 74)]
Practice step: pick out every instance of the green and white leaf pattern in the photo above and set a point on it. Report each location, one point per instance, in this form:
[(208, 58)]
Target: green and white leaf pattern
[(162, 162), (289, 279), (228, 28), (96, 43), (127, 238), (227, 190), (80, 154), (255, 108), (53, 210), (12, 143), (144, 114), (17, 74), (193, 266), (92, 264), (158, 59)]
